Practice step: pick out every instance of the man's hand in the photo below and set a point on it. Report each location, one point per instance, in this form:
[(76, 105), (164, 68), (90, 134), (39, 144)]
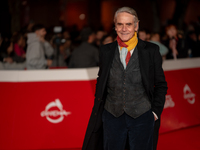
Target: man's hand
[(155, 116), (49, 62)]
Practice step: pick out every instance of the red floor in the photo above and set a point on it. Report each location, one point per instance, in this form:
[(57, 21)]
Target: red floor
[(185, 139)]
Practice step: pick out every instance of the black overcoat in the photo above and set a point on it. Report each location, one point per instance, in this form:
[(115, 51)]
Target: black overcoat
[(153, 79)]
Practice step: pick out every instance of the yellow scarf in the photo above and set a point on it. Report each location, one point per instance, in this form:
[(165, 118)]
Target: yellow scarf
[(132, 42)]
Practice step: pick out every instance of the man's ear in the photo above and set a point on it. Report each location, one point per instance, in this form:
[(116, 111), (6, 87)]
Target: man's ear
[(137, 26)]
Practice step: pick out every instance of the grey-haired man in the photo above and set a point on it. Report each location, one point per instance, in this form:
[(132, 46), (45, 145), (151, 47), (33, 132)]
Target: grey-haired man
[(130, 90)]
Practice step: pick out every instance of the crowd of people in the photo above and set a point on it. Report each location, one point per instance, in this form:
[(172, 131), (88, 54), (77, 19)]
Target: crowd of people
[(40, 48)]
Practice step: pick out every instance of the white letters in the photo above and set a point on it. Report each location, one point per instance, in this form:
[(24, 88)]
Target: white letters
[(54, 113)]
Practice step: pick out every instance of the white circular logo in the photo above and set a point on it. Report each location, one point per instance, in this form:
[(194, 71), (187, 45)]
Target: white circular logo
[(54, 113), (188, 95)]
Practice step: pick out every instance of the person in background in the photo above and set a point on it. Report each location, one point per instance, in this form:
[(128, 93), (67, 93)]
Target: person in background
[(178, 47), (66, 34), (6, 51), (99, 36), (194, 46), (19, 44), (9, 60), (38, 49), (155, 38), (64, 53), (142, 34), (106, 39), (86, 55), (65, 49), (8, 54)]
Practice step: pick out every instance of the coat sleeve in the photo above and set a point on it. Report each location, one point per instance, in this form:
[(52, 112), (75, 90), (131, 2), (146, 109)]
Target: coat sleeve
[(100, 70), (160, 85)]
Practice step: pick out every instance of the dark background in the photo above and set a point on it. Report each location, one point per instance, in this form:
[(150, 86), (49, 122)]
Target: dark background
[(154, 15)]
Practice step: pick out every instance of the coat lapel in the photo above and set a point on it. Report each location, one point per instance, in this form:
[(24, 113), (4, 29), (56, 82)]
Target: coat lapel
[(109, 54), (143, 55)]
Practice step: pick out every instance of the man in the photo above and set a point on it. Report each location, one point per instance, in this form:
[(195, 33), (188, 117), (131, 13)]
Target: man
[(86, 55), (130, 94), (38, 48)]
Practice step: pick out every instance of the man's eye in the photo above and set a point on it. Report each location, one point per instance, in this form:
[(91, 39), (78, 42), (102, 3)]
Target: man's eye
[(119, 24)]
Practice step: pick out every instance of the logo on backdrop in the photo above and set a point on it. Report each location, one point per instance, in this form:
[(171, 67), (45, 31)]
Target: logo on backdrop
[(53, 115), (169, 102), (188, 95)]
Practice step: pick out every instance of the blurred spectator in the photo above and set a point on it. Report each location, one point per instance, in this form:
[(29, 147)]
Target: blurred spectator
[(85, 55), (66, 35), (65, 49), (64, 54), (178, 47), (19, 44), (155, 38), (8, 57), (142, 35), (106, 39), (6, 51), (8, 54), (37, 48), (30, 26), (194, 44), (99, 36)]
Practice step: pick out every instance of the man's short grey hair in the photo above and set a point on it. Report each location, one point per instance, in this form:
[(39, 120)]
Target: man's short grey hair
[(127, 10)]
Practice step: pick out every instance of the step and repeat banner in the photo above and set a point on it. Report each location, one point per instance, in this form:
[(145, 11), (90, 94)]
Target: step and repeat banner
[(50, 109)]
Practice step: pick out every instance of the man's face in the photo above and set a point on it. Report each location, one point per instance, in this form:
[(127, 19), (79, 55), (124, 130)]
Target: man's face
[(125, 27), (41, 32)]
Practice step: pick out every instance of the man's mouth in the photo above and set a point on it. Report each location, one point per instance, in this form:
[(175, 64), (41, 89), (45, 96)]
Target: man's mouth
[(124, 33)]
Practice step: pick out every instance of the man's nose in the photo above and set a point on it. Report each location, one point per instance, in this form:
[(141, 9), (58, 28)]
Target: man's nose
[(124, 28)]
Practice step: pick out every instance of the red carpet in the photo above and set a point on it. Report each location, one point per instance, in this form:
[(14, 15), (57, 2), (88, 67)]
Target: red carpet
[(185, 139)]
